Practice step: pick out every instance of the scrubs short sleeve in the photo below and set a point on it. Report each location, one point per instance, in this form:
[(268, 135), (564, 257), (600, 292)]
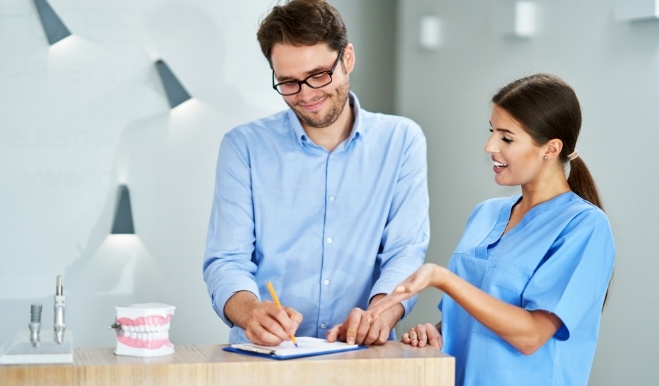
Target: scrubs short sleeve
[(575, 273)]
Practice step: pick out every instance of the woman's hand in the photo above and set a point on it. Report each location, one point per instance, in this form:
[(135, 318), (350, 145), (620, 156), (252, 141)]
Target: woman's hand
[(426, 276), (422, 335)]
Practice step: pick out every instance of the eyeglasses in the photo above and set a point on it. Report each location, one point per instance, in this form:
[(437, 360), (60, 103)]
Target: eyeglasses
[(317, 80)]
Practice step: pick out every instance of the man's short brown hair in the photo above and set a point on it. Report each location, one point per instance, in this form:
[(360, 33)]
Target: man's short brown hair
[(302, 23)]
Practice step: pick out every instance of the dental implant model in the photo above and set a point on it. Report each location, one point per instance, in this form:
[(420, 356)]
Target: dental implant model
[(58, 325), (35, 324), (143, 330), (29, 347)]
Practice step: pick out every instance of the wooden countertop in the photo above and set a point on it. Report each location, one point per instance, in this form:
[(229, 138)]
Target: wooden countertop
[(391, 364)]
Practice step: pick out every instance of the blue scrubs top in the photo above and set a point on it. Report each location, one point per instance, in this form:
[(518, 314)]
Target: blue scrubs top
[(559, 258)]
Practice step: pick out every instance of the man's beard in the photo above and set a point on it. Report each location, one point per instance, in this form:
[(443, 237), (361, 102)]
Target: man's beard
[(337, 104)]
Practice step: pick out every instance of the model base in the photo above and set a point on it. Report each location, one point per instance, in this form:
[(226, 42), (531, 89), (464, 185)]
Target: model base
[(20, 350)]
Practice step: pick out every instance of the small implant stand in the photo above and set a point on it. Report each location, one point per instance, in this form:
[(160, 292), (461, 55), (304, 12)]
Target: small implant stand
[(31, 347)]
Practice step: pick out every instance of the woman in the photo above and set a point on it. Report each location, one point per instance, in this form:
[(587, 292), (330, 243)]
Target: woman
[(526, 284)]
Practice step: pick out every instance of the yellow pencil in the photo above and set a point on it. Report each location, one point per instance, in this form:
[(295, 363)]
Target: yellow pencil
[(276, 299)]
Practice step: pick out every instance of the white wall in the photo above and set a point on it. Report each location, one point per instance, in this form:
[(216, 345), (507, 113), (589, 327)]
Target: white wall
[(89, 113), (84, 115), (614, 68)]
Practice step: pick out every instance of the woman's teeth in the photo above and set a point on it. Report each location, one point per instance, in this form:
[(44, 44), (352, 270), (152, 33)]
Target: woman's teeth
[(500, 165)]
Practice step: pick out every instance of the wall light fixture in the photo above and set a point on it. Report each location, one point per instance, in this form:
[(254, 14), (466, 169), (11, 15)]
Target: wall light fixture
[(123, 217), (176, 93), (52, 24)]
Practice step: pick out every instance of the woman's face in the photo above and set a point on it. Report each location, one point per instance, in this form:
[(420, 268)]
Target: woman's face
[(518, 160)]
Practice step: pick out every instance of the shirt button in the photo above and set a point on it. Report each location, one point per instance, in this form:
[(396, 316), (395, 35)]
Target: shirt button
[(326, 282), (330, 198), (329, 240), (322, 325)]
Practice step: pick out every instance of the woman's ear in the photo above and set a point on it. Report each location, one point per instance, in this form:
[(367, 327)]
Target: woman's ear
[(553, 148)]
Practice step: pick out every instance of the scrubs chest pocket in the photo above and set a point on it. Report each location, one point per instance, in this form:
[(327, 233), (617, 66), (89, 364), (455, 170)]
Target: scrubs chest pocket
[(505, 282)]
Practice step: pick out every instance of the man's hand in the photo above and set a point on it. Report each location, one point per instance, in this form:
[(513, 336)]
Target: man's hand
[(360, 328), (264, 322)]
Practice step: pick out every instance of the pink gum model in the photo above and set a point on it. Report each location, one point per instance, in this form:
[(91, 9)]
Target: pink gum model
[(143, 330)]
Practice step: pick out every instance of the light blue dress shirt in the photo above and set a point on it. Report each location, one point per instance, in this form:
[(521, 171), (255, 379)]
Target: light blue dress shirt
[(330, 230), (559, 258)]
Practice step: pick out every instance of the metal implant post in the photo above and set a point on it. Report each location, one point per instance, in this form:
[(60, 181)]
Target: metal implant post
[(35, 324), (58, 325)]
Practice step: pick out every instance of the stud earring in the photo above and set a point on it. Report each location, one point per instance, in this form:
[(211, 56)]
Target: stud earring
[(545, 157)]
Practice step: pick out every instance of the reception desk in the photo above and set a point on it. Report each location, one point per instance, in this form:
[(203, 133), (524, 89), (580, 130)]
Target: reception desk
[(391, 364)]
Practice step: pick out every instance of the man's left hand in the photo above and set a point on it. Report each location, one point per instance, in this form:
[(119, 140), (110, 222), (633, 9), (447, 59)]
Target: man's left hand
[(360, 328)]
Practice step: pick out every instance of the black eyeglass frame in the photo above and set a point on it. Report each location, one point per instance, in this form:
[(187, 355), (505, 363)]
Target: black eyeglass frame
[(275, 86)]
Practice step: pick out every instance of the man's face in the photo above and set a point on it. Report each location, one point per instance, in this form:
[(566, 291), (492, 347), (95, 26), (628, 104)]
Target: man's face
[(316, 108)]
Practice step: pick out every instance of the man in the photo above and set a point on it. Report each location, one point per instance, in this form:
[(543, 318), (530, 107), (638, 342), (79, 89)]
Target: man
[(325, 200)]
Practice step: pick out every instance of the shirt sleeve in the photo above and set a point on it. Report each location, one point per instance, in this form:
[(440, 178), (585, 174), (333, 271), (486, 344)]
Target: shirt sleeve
[(573, 280), (407, 232), (228, 266)]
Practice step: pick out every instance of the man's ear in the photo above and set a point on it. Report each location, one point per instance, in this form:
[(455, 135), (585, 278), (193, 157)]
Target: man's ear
[(349, 58)]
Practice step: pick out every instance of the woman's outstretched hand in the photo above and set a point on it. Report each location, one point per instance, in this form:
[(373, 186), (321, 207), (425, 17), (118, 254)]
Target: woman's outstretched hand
[(428, 275), (424, 277)]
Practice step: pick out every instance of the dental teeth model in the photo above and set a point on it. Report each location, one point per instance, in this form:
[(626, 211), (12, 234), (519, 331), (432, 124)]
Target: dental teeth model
[(143, 330)]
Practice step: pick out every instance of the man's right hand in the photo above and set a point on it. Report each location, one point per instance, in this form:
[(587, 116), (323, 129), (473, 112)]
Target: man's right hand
[(264, 322)]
